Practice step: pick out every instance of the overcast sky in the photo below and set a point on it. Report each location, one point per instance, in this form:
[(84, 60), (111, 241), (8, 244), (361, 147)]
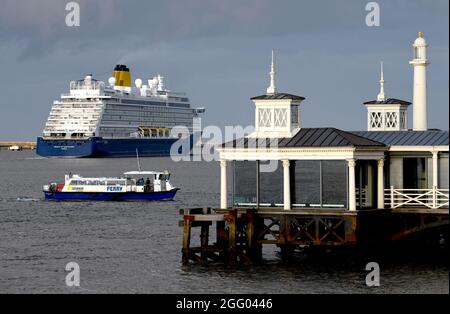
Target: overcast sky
[(219, 53)]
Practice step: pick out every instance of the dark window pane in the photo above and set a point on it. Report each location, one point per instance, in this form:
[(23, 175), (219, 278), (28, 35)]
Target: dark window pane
[(244, 183), (307, 183), (271, 184), (334, 184)]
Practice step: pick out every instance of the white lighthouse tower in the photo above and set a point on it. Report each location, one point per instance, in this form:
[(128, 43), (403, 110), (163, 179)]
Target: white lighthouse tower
[(420, 64)]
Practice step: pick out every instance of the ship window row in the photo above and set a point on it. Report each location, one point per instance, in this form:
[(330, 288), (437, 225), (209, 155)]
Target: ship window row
[(141, 110), (153, 103), (78, 103), (148, 117), (181, 99), (82, 106), (74, 133), (97, 182), (66, 125), (150, 122), (53, 117), (105, 134), (144, 108), (71, 111), (124, 130), (71, 122), (152, 116), (147, 113), (78, 108)]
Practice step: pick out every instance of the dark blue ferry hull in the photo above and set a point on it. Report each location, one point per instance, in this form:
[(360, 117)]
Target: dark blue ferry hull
[(105, 196)]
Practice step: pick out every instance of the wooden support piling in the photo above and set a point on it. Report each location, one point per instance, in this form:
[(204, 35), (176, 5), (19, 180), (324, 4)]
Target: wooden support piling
[(231, 219), (204, 237), (186, 238), (240, 234)]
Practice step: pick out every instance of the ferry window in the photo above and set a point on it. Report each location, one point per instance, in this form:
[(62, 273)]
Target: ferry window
[(165, 176), (115, 182)]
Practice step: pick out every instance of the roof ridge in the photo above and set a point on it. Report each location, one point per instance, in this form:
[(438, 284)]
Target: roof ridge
[(350, 136)]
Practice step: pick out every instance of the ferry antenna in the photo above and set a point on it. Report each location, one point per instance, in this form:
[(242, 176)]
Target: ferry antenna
[(138, 163)]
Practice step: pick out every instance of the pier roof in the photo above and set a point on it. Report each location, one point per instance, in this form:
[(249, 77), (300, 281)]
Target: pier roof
[(407, 138), (389, 101), (278, 96), (327, 137), (311, 137)]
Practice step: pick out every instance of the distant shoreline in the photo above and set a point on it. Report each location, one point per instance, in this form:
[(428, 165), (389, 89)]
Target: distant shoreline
[(20, 144)]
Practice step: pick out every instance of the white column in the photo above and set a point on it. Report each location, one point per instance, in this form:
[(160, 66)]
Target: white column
[(420, 97), (370, 199), (380, 184), (351, 185), (287, 185), (435, 170), (223, 184)]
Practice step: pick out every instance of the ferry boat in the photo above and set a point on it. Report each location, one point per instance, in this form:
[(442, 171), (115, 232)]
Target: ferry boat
[(133, 186), (115, 119)]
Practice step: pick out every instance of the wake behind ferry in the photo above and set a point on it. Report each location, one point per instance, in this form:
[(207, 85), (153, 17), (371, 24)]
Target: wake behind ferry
[(115, 120), (134, 186)]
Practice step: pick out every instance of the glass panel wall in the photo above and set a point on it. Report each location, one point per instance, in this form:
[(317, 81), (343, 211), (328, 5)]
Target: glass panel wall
[(319, 183), (334, 184), (271, 184), (306, 181), (314, 184), (244, 183)]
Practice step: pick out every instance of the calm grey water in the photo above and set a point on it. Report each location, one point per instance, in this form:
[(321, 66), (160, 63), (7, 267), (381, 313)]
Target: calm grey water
[(135, 247)]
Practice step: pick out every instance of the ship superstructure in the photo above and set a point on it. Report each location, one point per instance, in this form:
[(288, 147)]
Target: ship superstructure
[(115, 119)]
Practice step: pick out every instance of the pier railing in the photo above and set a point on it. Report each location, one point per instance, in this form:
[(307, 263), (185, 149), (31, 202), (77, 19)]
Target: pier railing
[(431, 198)]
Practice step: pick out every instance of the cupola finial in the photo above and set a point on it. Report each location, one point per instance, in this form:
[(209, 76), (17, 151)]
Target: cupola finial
[(381, 96), (271, 90)]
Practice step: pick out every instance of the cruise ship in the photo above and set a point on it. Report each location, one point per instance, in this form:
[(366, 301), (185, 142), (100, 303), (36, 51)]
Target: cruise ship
[(118, 120)]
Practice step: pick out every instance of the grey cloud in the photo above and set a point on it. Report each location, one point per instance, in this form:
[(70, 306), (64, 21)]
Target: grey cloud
[(218, 52)]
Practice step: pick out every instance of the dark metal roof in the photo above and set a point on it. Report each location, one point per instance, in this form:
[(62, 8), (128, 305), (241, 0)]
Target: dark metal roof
[(407, 138), (388, 101), (278, 96), (327, 137), (309, 137)]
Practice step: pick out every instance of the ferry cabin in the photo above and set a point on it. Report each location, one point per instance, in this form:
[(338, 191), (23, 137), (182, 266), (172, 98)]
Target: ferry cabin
[(134, 181), (282, 165)]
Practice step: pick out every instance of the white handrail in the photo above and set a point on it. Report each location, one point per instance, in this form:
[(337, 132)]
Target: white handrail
[(431, 198)]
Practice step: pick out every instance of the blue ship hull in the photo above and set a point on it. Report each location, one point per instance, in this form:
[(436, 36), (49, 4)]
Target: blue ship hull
[(100, 147), (105, 196)]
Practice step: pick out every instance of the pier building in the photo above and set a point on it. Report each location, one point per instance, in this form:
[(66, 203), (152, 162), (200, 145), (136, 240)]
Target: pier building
[(325, 186)]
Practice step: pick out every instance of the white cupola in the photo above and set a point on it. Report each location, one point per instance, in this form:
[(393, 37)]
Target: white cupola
[(276, 114), (386, 114)]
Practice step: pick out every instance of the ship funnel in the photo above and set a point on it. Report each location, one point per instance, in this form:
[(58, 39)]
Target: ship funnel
[(122, 75)]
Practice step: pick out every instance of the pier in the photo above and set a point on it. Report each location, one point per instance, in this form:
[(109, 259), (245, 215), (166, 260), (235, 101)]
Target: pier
[(325, 187), (19, 144), (240, 233)]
